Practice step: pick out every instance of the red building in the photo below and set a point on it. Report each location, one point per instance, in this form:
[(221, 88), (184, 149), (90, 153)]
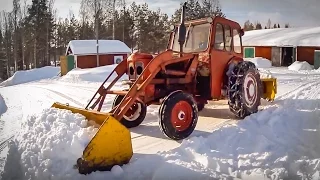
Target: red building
[(85, 52), (283, 46)]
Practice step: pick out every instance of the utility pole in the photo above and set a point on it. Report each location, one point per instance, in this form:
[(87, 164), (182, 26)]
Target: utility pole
[(124, 10), (96, 10), (113, 23)]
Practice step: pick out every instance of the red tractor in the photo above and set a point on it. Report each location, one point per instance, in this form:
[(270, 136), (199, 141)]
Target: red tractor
[(203, 61)]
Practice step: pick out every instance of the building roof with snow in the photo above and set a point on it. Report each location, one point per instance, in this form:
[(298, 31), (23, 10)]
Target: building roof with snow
[(88, 47), (301, 36)]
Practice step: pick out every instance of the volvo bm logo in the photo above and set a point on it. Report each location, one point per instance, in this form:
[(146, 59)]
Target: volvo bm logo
[(118, 60)]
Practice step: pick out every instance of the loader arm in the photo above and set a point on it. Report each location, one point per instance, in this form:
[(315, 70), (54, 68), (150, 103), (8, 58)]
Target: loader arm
[(156, 65), (102, 91), (112, 145)]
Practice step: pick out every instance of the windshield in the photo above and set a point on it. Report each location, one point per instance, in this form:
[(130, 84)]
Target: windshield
[(197, 38)]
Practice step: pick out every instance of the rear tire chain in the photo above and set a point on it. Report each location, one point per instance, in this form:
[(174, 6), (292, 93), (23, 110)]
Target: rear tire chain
[(235, 93)]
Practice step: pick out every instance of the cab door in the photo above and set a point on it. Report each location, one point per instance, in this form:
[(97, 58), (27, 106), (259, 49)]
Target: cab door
[(222, 51)]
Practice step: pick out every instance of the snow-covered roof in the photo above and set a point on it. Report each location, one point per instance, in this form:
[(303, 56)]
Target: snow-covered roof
[(301, 36), (88, 47)]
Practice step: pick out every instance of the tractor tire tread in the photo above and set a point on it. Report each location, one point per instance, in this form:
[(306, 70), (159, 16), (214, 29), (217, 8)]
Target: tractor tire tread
[(165, 115)]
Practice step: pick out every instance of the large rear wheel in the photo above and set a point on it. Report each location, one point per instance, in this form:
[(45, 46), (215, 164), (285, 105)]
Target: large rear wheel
[(135, 114), (244, 89), (178, 115)]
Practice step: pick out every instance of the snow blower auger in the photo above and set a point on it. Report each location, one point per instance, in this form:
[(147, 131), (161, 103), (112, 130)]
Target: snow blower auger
[(202, 62)]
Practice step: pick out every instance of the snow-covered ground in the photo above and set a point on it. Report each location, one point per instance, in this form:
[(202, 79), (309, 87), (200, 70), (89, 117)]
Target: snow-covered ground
[(279, 141), (20, 77)]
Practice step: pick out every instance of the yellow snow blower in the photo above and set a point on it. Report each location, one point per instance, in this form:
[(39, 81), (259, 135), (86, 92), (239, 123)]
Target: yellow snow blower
[(181, 80)]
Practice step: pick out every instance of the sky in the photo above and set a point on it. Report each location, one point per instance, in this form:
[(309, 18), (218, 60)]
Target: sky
[(295, 12)]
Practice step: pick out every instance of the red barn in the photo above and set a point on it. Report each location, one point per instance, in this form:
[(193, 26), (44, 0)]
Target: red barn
[(85, 52), (283, 46)]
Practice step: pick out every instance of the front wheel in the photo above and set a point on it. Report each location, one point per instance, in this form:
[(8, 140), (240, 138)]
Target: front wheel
[(135, 114), (178, 115), (244, 89)]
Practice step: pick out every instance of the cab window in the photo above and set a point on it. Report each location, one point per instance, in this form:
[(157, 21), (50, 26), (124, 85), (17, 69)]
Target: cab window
[(228, 37), (236, 41), (219, 40)]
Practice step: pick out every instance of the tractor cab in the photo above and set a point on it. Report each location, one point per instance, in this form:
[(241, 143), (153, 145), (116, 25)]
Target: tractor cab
[(207, 34), (217, 41)]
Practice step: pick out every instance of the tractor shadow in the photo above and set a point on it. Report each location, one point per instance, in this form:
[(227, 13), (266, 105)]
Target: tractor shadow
[(155, 132), (218, 113), (220, 110), (215, 111)]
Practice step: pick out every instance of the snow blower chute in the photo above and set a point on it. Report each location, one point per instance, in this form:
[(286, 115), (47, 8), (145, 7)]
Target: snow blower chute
[(181, 79)]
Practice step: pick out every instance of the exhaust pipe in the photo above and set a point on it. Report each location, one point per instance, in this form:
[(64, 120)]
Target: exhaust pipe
[(182, 28)]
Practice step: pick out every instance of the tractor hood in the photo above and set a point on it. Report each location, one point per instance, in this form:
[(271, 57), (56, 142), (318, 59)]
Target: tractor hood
[(136, 62)]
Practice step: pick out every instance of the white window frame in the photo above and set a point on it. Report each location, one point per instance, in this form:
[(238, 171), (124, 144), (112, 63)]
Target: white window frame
[(254, 51)]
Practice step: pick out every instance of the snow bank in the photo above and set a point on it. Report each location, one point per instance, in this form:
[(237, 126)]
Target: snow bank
[(98, 74), (300, 65), (48, 145), (3, 106), (260, 62), (20, 77), (280, 141)]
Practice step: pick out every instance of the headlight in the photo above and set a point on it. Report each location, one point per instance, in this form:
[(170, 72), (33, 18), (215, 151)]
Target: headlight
[(131, 71), (139, 68)]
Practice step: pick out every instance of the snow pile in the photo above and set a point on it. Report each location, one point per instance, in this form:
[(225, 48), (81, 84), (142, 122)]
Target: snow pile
[(48, 145), (300, 65), (260, 62), (278, 142), (3, 106), (98, 74), (20, 77)]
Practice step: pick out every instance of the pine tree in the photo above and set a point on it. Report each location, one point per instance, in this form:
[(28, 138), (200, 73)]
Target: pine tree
[(41, 22), (275, 26), (248, 26), (269, 24), (287, 25), (278, 25), (7, 41), (194, 10), (212, 8), (258, 25), (3, 62)]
